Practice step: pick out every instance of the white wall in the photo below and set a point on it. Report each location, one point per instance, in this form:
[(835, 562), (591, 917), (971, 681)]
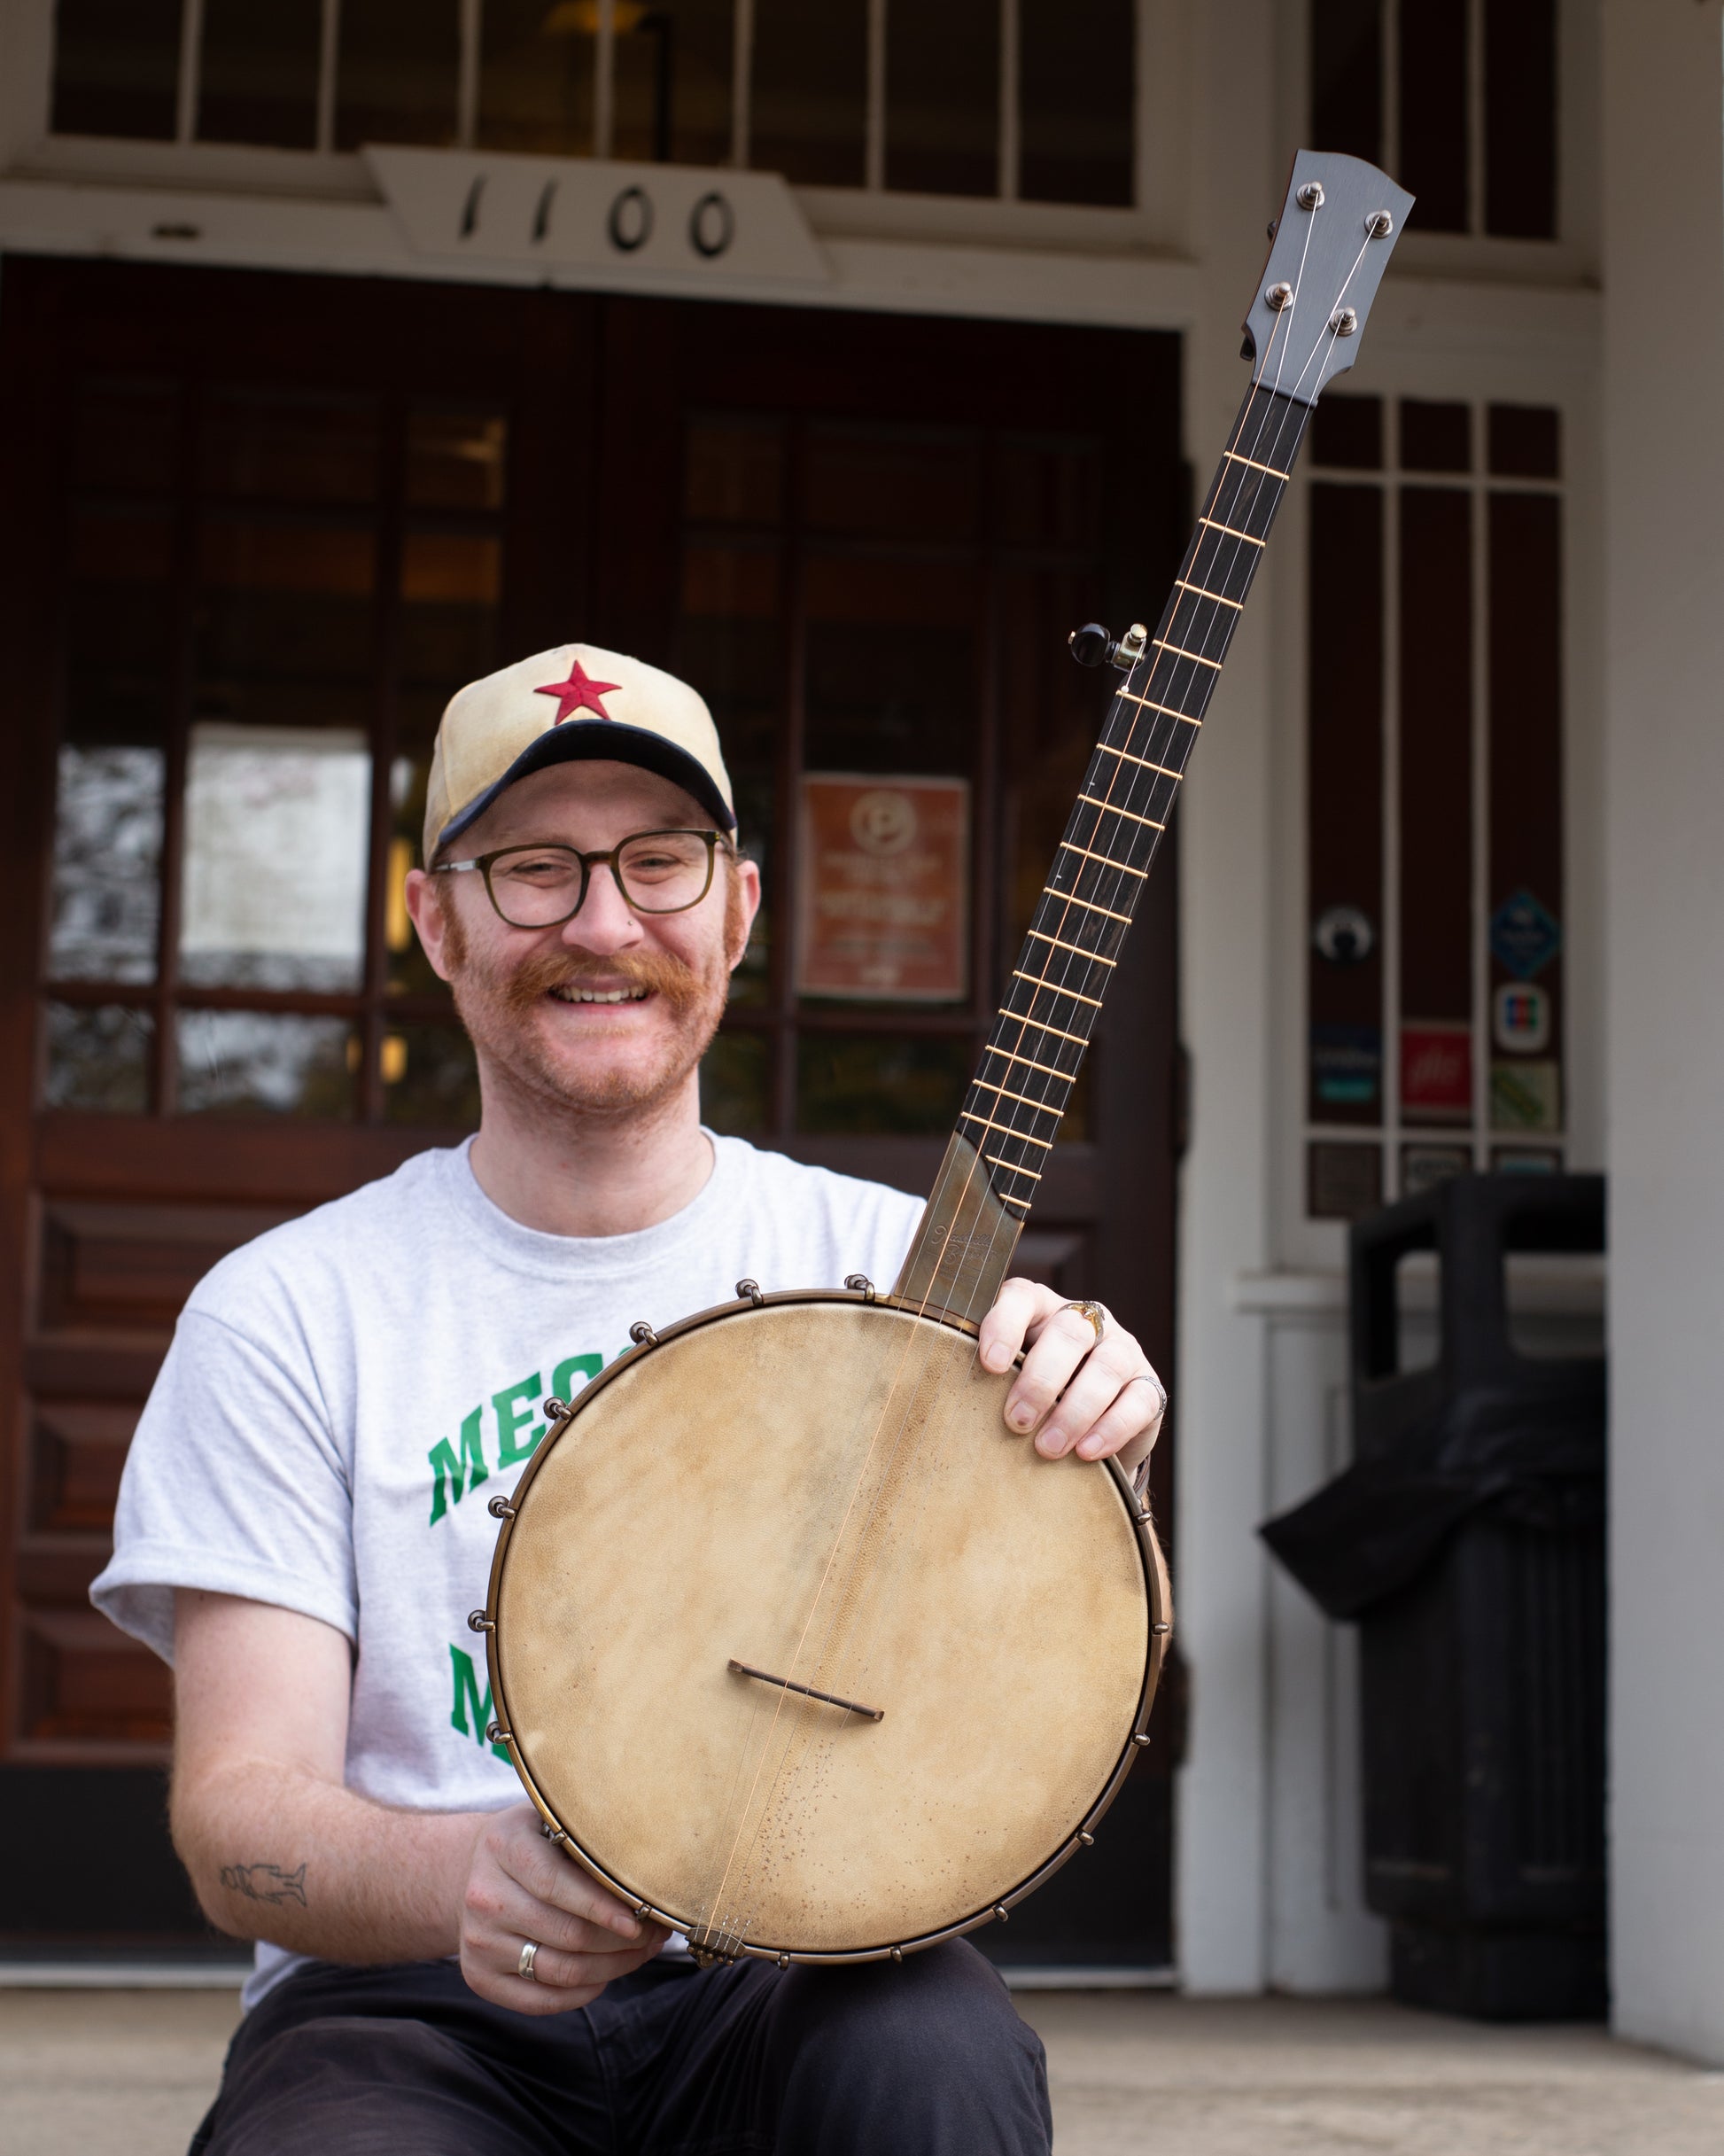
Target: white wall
[(1664, 380)]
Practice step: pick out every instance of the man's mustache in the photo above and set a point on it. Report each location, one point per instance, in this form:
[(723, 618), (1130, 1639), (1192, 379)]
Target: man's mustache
[(657, 971)]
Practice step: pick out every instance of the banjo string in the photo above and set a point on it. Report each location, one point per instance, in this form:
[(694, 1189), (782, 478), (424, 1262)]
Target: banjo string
[(1281, 417)]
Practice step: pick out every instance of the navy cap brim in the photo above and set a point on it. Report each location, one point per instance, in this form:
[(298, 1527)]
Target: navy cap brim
[(601, 741)]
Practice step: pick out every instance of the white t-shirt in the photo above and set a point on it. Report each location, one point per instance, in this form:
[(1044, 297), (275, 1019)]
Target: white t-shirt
[(344, 1394)]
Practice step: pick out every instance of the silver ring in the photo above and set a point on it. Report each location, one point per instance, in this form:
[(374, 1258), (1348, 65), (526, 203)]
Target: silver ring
[(1148, 1377), (529, 1955)]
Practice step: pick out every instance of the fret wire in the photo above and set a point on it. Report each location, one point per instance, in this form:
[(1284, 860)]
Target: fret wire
[(1047, 1069), (969, 1115), (1203, 592), (1178, 650), (1088, 905), (1142, 762), (1133, 814), (1233, 455), (1043, 1108), (1012, 1168), (1141, 874), (1060, 944), (1215, 526), (1023, 1017), (1150, 704), (1055, 989), (1207, 558)]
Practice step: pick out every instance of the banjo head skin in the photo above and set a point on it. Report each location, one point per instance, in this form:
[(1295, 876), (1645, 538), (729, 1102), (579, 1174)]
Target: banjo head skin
[(796, 1646)]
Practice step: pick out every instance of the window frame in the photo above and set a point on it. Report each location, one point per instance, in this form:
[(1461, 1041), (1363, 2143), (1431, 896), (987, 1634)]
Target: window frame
[(1534, 374)]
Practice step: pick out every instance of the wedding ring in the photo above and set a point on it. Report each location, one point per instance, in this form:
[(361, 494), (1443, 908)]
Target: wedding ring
[(529, 1955), (1098, 1313)]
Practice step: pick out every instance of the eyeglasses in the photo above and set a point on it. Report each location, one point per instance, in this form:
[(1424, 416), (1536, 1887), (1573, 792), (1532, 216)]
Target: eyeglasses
[(540, 887)]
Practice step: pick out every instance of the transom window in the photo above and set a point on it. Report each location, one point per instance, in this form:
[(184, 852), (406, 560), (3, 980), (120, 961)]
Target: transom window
[(1456, 98), (1015, 99)]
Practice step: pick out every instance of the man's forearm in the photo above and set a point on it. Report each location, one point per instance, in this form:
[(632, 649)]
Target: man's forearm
[(287, 1857)]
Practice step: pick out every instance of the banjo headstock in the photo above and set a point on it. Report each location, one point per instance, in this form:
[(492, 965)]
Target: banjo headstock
[(1330, 247)]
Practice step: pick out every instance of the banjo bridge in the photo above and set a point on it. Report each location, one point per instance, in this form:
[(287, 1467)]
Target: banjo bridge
[(808, 1692)]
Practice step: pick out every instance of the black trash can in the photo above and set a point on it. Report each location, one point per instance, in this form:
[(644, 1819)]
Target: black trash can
[(1468, 1542)]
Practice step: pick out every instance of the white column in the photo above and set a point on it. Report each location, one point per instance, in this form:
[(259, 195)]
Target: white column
[(1220, 1579), (1664, 820)]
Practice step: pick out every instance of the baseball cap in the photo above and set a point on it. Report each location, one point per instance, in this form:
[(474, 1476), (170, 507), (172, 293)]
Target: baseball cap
[(575, 703)]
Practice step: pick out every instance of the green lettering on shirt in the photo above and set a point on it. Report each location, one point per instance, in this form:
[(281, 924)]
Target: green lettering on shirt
[(466, 1696), (448, 1466), (585, 1368), (458, 1468), (514, 1406)]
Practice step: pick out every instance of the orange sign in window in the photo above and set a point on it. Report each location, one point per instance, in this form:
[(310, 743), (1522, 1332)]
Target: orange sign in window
[(884, 913)]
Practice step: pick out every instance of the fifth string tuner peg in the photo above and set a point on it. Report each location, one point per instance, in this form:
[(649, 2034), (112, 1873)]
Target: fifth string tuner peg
[(1092, 645)]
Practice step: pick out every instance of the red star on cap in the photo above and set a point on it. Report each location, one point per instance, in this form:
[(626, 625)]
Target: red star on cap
[(578, 692)]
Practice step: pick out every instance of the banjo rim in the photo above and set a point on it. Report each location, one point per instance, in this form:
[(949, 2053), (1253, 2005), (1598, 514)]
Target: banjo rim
[(1159, 1632)]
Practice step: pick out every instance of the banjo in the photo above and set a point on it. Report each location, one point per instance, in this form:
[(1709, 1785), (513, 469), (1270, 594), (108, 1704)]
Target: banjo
[(793, 1646)]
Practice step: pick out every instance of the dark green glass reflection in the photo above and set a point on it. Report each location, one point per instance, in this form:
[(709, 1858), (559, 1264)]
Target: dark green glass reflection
[(879, 1084), (733, 1084), (430, 1077), (98, 1059)]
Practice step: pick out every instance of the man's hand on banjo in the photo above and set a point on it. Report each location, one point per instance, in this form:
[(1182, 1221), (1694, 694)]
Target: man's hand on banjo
[(1086, 1386), (536, 1933)]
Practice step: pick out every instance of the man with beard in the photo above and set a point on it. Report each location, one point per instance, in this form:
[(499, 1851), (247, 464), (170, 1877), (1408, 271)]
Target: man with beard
[(302, 1527)]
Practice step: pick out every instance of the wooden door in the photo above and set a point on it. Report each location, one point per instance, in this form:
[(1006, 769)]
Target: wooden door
[(257, 529)]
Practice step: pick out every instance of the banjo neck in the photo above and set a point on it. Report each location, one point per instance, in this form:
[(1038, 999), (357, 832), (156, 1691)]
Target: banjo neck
[(1329, 250)]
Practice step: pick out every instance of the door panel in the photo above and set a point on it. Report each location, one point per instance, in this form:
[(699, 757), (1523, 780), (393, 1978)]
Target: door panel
[(257, 530)]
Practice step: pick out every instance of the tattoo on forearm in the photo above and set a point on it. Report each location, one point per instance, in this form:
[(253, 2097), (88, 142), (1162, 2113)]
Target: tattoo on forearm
[(266, 1882)]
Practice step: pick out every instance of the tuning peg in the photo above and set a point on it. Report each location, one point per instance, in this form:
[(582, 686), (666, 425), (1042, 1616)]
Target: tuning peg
[(1092, 645)]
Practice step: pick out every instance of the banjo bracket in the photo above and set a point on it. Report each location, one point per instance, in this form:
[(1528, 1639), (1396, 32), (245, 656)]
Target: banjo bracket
[(858, 1283)]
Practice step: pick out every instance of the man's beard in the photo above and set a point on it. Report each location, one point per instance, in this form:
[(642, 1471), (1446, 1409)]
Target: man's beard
[(498, 1008)]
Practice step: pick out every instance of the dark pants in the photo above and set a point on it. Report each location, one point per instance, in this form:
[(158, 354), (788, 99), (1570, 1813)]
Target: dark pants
[(925, 2058)]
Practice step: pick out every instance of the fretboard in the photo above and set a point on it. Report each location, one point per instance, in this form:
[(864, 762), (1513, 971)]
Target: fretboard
[(998, 1155)]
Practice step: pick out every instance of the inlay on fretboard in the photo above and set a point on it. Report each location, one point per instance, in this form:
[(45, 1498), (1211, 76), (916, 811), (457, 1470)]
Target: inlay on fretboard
[(1330, 247)]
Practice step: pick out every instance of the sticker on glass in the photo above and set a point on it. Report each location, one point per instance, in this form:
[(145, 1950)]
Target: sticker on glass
[(1436, 1072), (1524, 935), (1520, 1018), (1526, 1096)]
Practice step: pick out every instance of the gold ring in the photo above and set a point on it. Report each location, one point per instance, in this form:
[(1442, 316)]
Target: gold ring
[(529, 1955), (1098, 1313)]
